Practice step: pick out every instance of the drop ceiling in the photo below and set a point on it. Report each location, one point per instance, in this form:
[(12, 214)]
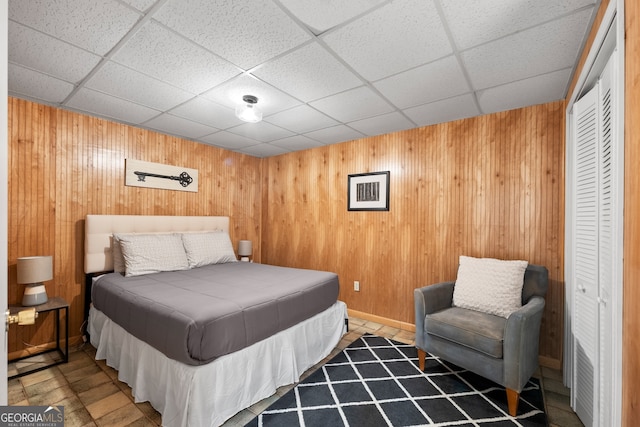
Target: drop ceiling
[(324, 71)]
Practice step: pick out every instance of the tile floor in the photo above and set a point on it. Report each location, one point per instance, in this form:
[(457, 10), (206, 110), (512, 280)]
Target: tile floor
[(91, 394)]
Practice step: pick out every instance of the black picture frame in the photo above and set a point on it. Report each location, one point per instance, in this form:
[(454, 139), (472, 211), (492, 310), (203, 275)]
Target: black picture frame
[(368, 191)]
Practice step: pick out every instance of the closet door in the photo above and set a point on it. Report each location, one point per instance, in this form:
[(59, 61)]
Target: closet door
[(585, 268), (596, 186), (606, 241)]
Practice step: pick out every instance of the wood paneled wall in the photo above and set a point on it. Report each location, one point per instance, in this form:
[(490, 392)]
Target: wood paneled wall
[(489, 186), (64, 166), (631, 291)]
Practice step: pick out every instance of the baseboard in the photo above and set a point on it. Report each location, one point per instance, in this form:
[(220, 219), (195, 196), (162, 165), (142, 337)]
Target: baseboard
[(382, 320), (549, 362)]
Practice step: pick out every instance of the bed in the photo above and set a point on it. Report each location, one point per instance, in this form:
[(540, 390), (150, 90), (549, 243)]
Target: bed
[(203, 341)]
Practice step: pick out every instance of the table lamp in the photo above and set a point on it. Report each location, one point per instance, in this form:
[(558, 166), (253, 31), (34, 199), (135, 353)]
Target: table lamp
[(32, 271), (245, 249)]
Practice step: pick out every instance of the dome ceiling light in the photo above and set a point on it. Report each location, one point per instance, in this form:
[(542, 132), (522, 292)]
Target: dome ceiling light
[(249, 111)]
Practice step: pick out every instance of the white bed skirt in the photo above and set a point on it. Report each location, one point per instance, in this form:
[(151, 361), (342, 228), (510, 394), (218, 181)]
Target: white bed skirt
[(208, 395)]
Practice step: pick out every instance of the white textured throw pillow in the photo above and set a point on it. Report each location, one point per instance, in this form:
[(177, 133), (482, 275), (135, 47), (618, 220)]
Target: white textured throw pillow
[(152, 253), (489, 285), (208, 248)]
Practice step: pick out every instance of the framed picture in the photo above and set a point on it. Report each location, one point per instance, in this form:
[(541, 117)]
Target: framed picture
[(157, 175), (369, 191)]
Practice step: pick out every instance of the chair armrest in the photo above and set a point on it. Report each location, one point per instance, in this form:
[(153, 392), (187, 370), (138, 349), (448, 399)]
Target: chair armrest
[(521, 341), (430, 299)]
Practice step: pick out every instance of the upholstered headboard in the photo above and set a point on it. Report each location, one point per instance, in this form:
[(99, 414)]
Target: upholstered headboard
[(99, 231)]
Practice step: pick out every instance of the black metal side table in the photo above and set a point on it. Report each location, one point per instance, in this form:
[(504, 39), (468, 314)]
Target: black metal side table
[(56, 304)]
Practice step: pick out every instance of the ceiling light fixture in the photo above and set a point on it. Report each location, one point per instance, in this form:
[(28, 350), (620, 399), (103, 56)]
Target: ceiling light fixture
[(249, 112)]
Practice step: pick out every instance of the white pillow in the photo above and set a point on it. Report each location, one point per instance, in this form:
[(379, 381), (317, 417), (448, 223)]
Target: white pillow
[(116, 251), (489, 285), (208, 248), (152, 253)]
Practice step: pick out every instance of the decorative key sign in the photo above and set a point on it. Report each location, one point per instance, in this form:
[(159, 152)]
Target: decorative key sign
[(156, 175), (184, 178)]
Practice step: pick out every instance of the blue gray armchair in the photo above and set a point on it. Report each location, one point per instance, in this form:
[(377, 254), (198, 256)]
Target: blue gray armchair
[(502, 350)]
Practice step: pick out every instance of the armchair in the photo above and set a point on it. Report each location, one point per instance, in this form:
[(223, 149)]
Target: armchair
[(503, 350)]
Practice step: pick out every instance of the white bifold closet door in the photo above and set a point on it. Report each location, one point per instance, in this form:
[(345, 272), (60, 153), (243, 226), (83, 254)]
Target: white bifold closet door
[(593, 241), (585, 316)]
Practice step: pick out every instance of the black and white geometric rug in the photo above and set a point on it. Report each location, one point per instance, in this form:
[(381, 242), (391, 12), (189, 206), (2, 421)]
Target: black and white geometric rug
[(376, 382)]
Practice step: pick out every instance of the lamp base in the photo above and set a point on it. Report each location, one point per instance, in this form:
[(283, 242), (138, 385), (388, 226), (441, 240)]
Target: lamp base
[(244, 259), (34, 294)]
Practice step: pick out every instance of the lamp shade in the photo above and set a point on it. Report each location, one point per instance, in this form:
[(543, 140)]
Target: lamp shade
[(245, 249), (32, 271), (248, 111), (35, 269)]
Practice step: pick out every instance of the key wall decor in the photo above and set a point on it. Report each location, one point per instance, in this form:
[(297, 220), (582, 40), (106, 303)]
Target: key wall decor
[(156, 175)]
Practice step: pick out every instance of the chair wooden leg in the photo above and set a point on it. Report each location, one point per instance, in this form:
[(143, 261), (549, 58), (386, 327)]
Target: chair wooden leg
[(512, 400), (422, 355)]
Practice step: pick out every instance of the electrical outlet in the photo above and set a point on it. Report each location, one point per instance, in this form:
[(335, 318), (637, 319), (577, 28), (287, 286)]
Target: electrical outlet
[(356, 286)]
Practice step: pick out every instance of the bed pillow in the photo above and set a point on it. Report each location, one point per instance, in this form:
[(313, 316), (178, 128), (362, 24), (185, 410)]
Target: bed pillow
[(208, 248), (489, 285), (152, 253), (116, 251)]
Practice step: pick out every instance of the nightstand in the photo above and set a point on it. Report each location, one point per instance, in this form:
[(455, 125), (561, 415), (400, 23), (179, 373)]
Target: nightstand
[(56, 304)]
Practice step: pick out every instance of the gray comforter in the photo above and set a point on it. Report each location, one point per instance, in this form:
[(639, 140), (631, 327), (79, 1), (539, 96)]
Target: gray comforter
[(197, 315)]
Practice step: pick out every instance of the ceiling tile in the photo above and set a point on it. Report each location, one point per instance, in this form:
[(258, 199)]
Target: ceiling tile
[(261, 131), (26, 83), (308, 73), (354, 104), (26, 47), (270, 100), (108, 106), (474, 22), (264, 150), (301, 119), (446, 110), (373, 66), (173, 125), (393, 38), (208, 113), (335, 134), (540, 50), (296, 143), (244, 32), (229, 140), (536, 90), (321, 16), (128, 84), (428, 83), (158, 52), (95, 26), (386, 123)]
